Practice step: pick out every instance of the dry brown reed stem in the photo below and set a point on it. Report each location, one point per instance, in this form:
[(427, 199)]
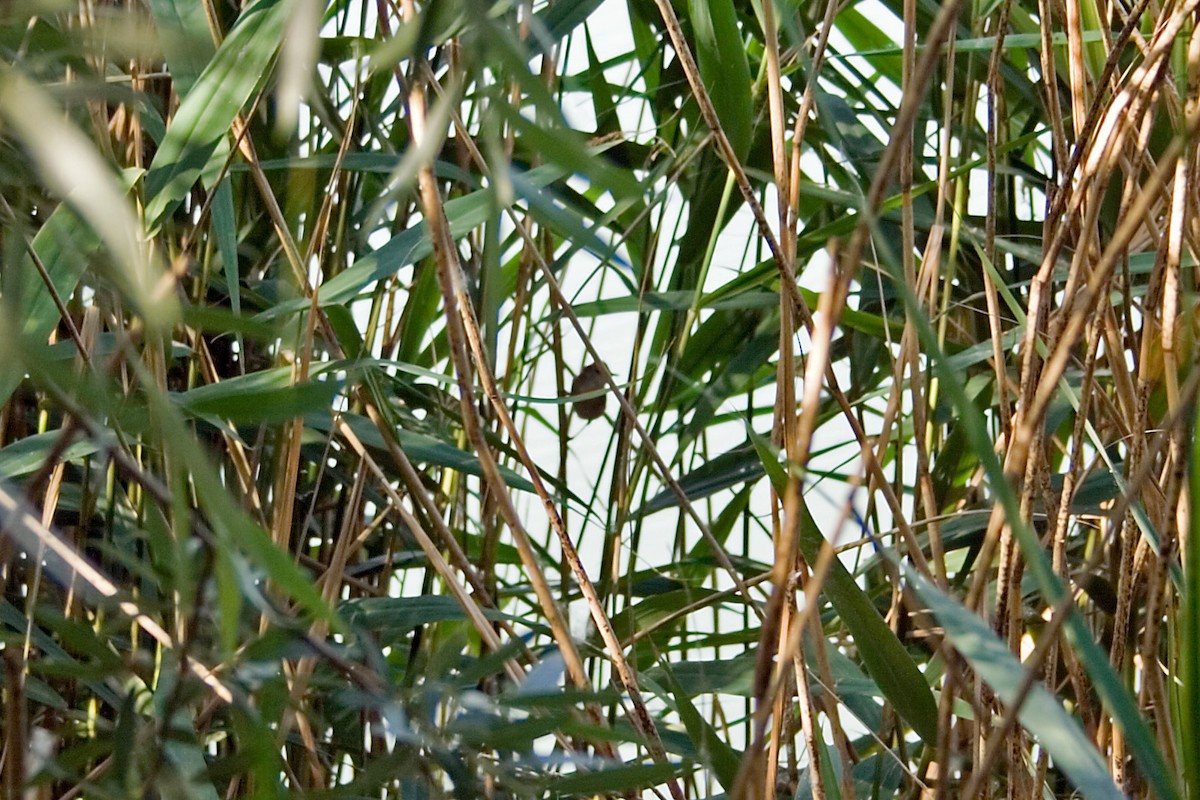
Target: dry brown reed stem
[(797, 451), (779, 159), (925, 504), (412, 480), (781, 606), (233, 444), (709, 113), (287, 476), (931, 270), (1058, 135), (801, 124), (439, 236), (629, 413), (793, 620), (1076, 69), (995, 90), (462, 332), (787, 624), (1072, 318), (939, 32), (447, 259), (807, 616), (1040, 385), (1058, 547), (482, 625), (824, 670), (1005, 732), (1044, 652), (1098, 106), (1068, 196), (625, 673), (940, 29)]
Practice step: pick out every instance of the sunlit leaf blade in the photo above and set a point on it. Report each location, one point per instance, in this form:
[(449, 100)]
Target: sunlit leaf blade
[(248, 399), (16, 621), (74, 169), (25, 456), (1041, 713), (185, 755), (232, 525), (395, 614), (228, 82), (740, 465), (185, 38), (420, 447), (62, 246), (885, 659), (557, 20)]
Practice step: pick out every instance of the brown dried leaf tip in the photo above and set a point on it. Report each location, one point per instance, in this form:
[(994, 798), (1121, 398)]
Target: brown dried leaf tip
[(589, 379)]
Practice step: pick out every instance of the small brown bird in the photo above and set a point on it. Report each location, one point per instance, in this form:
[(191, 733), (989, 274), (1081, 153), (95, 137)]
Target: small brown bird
[(589, 379)]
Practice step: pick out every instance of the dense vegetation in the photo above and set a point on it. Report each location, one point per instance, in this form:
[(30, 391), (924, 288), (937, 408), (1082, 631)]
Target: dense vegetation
[(686, 398)]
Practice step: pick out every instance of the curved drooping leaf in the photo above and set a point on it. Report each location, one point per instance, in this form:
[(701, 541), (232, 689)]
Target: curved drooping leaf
[(714, 751), (186, 39), (401, 614), (75, 170), (737, 466), (626, 777), (27, 455), (556, 20), (887, 662), (1040, 713)]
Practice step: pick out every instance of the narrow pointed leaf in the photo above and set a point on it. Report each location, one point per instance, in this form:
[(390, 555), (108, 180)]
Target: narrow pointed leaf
[(1041, 714), (207, 112)]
